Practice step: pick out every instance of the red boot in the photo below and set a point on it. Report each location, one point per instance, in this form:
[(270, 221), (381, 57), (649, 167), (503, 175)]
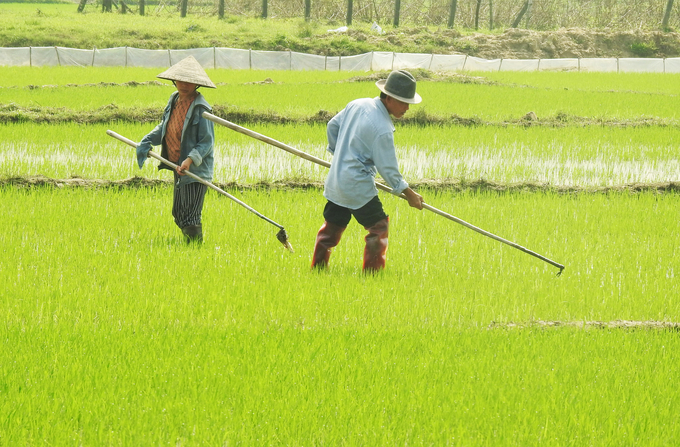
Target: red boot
[(328, 237), (376, 246)]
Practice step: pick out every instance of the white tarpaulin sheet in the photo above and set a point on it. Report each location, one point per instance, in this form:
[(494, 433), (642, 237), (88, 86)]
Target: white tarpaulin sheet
[(333, 63), (148, 58), (672, 65), (270, 60), (412, 60), (75, 57), (382, 61), (448, 61), (479, 64), (640, 65), (15, 57), (360, 62), (44, 56), (232, 58), (558, 64), (110, 57), (602, 65), (302, 61), (204, 56), (519, 65)]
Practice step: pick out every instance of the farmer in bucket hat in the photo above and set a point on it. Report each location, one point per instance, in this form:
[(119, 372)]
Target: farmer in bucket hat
[(361, 140), (187, 140)]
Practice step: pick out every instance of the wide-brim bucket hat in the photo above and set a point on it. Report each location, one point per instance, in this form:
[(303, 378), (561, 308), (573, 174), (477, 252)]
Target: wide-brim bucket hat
[(401, 85), (188, 70)]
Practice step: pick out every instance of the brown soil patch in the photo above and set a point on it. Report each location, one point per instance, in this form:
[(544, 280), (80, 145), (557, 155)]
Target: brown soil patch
[(427, 75), (490, 186), (568, 43), (46, 182), (515, 43), (29, 182), (615, 324), (13, 113), (110, 113)]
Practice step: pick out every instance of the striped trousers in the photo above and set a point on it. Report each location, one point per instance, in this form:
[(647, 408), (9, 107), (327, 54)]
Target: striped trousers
[(187, 203)]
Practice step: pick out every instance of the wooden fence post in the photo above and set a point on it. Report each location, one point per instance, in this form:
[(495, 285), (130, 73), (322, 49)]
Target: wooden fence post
[(452, 13), (397, 7), (490, 14), (530, 4), (264, 9), (350, 5), (308, 9), (183, 11), (518, 19), (667, 15)]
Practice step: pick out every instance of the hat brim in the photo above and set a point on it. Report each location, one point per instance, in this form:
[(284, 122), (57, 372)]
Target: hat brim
[(188, 70), (415, 100), (200, 82)]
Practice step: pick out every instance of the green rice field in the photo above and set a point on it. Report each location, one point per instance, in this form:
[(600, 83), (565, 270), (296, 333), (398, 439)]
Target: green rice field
[(593, 129), (494, 97), (115, 332)]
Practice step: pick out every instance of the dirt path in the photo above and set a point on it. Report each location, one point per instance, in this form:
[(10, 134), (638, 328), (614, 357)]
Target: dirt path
[(614, 324), (28, 182)]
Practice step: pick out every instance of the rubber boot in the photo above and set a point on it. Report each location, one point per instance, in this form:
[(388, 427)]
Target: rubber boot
[(376, 246), (193, 233), (328, 237)]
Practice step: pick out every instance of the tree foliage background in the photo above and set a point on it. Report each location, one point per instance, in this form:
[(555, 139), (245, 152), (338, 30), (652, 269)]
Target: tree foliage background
[(541, 15)]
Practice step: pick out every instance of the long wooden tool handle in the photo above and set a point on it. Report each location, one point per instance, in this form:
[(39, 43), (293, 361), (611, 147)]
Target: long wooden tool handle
[(194, 176), (493, 236), (266, 139), (322, 162)]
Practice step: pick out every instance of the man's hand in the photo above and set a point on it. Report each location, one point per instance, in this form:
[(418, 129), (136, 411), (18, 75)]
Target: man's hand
[(414, 199), (184, 166)]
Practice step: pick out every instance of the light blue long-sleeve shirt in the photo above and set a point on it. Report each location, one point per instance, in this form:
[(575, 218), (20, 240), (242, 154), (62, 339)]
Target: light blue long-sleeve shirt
[(361, 139)]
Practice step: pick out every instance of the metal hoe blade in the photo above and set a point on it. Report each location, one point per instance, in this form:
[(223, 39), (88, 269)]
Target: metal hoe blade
[(281, 236)]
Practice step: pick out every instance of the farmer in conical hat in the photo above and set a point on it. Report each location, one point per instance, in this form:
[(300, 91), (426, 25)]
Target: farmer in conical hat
[(187, 140), (361, 140)]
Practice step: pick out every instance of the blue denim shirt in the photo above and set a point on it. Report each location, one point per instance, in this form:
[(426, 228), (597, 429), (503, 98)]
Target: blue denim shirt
[(361, 139), (198, 138)]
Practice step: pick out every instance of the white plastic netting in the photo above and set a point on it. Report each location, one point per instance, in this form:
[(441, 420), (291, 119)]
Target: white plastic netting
[(288, 60)]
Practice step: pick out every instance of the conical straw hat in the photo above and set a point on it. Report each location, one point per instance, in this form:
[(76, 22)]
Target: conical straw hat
[(188, 70)]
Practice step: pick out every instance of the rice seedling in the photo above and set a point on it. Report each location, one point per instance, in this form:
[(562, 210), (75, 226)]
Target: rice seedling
[(115, 332), (20, 77), (105, 342), (589, 233), (650, 83), (322, 91), (572, 156)]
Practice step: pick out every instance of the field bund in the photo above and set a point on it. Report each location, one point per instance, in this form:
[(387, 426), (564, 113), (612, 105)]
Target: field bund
[(115, 332)]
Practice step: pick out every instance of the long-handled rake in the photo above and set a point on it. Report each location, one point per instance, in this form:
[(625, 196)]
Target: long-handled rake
[(321, 162), (282, 236)]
